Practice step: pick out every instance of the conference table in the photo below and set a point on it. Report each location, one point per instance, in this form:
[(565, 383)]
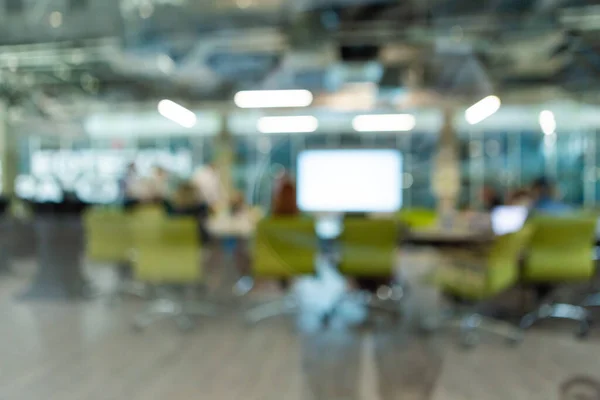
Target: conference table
[(227, 226), (449, 238)]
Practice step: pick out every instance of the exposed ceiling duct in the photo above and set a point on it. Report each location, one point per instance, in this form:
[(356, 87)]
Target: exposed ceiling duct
[(58, 20), (204, 50)]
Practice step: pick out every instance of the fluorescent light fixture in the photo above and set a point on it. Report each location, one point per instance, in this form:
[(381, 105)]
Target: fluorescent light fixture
[(482, 109), (547, 122), (273, 98), (383, 123), (292, 124), (176, 113)]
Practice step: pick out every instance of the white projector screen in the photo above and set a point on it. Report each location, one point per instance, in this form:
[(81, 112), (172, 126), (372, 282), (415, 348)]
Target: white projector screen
[(349, 181)]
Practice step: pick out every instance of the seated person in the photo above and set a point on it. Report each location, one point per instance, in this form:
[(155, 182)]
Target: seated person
[(520, 197), (544, 198), (284, 196), (185, 202), (490, 198)]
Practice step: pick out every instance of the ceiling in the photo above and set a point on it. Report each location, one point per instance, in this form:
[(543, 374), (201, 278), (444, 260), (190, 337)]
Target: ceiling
[(62, 54)]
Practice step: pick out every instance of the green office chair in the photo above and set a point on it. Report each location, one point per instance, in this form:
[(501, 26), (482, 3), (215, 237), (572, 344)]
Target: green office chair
[(368, 254), (108, 240), (561, 251), (284, 248), (107, 236), (168, 257), (472, 280), (418, 218)]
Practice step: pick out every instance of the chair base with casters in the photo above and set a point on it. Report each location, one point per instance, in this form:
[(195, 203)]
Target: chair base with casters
[(473, 283), (127, 287), (385, 299), (592, 300), (170, 306), (560, 253), (243, 286), (286, 305), (471, 322), (563, 311), (285, 247)]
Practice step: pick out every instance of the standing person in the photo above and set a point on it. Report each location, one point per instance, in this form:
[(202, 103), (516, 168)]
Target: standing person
[(159, 184), (128, 186), (544, 198), (207, 181), (185, 201)]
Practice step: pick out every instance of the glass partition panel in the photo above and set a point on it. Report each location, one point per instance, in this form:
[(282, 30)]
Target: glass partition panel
[(420, 166)]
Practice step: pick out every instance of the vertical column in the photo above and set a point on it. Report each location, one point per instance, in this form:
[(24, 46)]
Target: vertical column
[(550, 156), (264, 146), (446, 170), (224, 162), (403, 144), (8, 150), (476, 168), (589, 169), (514, 156), (8, 153), (197, 149), (295, 148)]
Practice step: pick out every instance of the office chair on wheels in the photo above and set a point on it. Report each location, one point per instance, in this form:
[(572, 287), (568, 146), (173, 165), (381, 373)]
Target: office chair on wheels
[(108, 241), (472, 282), (284, 248), (167, 256), (367, 252), (561, 251)]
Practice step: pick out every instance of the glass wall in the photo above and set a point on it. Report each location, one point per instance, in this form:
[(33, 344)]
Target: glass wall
[(91, 168), (504, 161)]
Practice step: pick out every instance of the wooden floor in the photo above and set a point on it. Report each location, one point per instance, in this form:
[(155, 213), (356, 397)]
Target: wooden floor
[(63, 351)]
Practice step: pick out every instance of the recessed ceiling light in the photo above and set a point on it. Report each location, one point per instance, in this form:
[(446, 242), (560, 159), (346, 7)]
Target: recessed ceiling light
[(547, 122), (56, 19)]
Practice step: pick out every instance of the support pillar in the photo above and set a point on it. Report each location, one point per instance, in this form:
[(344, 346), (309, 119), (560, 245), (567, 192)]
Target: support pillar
[(446, 171), (8, 172), (224, 157), (8, 153)]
